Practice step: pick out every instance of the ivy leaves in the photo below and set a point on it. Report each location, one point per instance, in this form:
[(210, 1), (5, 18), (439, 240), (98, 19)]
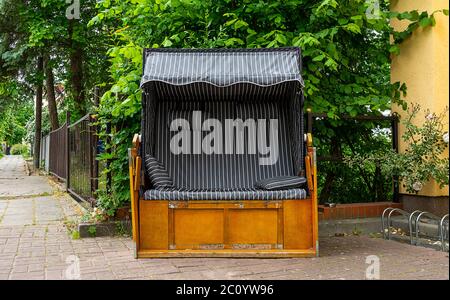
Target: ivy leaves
[(417, 20)]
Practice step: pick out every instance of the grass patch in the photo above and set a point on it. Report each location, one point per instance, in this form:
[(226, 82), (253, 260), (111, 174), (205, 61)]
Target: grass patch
[(92, 230), (72, 229), (75, 235)]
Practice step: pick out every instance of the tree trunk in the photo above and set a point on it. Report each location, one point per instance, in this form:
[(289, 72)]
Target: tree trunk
[(379, 181), (38, 117), (76, 71), (50, 87)]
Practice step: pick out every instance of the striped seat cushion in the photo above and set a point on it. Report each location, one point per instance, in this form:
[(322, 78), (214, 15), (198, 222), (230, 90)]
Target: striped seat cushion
[(281, 183), (253, 194), (157, 173)]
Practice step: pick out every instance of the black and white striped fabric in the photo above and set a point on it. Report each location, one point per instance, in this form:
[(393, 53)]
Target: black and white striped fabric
[(221, 171), (249, 194), (281, 183), (258, 84), (222, 67), (157, 173)]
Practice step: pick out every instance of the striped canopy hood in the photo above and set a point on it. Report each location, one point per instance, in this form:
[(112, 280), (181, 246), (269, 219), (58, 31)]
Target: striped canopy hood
[(222, 67)]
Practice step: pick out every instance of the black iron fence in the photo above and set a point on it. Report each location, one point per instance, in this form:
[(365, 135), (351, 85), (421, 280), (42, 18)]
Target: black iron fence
[(83, 168), (71, 152), (58, 152)]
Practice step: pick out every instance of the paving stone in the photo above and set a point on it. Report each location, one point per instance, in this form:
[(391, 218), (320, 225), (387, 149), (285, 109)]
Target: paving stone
[(34, 244)]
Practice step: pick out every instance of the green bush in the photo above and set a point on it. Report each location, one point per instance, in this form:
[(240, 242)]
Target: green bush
[(20, 149), (422, 158)]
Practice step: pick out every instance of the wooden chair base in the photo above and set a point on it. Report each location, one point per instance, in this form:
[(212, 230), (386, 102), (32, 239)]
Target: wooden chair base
[(226, 253), (248, 228), (202, 228)]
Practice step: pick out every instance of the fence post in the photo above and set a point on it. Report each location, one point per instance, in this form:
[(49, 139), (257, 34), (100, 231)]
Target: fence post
[(95, 139), (394, 124), (95, 153), (67, 141), (91, 160), (108, 161), (96, 96)]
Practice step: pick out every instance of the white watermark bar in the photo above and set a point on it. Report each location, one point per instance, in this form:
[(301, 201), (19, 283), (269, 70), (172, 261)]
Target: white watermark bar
[(228, 138)]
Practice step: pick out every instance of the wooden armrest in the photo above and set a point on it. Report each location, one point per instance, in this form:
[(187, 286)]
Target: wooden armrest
[(309, 141), (309, 175), (310, 164), (136, 141)]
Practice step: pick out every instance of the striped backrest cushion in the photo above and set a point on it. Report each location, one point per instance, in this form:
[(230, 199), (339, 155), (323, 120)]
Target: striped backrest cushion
[(281, 183), (157, 173), (220, 171)]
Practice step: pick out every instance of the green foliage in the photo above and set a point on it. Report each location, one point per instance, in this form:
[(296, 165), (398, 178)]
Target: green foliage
[(109, 201), (120, 229), (92, 230), (20, 149), (422, 158), (14, 121), (417, 20), (343, 183), (346, 57), (37, 28), (97, 215), (75, 235)]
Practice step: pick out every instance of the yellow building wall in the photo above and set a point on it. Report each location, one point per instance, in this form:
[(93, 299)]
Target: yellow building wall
[(423, 64)]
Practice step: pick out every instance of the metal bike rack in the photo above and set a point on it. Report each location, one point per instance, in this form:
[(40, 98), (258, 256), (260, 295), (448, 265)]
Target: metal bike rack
[(441, 231), (429, 215), (414, 218), (410, 221), (383, 228), (402, 212)]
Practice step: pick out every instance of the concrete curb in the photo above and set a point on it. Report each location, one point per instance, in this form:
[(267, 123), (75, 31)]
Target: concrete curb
[(27, 168), (425, 229), (372, 225), (112, 228), (349, 226)]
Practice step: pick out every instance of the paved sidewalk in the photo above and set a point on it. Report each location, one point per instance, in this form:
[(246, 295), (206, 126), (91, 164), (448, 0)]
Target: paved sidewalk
[(35, 244), (14, 182)]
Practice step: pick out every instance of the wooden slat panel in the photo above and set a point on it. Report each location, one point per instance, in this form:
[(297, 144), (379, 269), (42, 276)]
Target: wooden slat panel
[(231, 224), (252, 226), (241, 253), (196, 227), (229, 204), (153, 225), (280, 228), (298, 227)]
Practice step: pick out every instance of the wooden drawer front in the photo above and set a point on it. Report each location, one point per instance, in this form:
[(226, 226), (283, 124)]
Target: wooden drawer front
[(196, 228), (153, 224), (252, 226), (226, 225)]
